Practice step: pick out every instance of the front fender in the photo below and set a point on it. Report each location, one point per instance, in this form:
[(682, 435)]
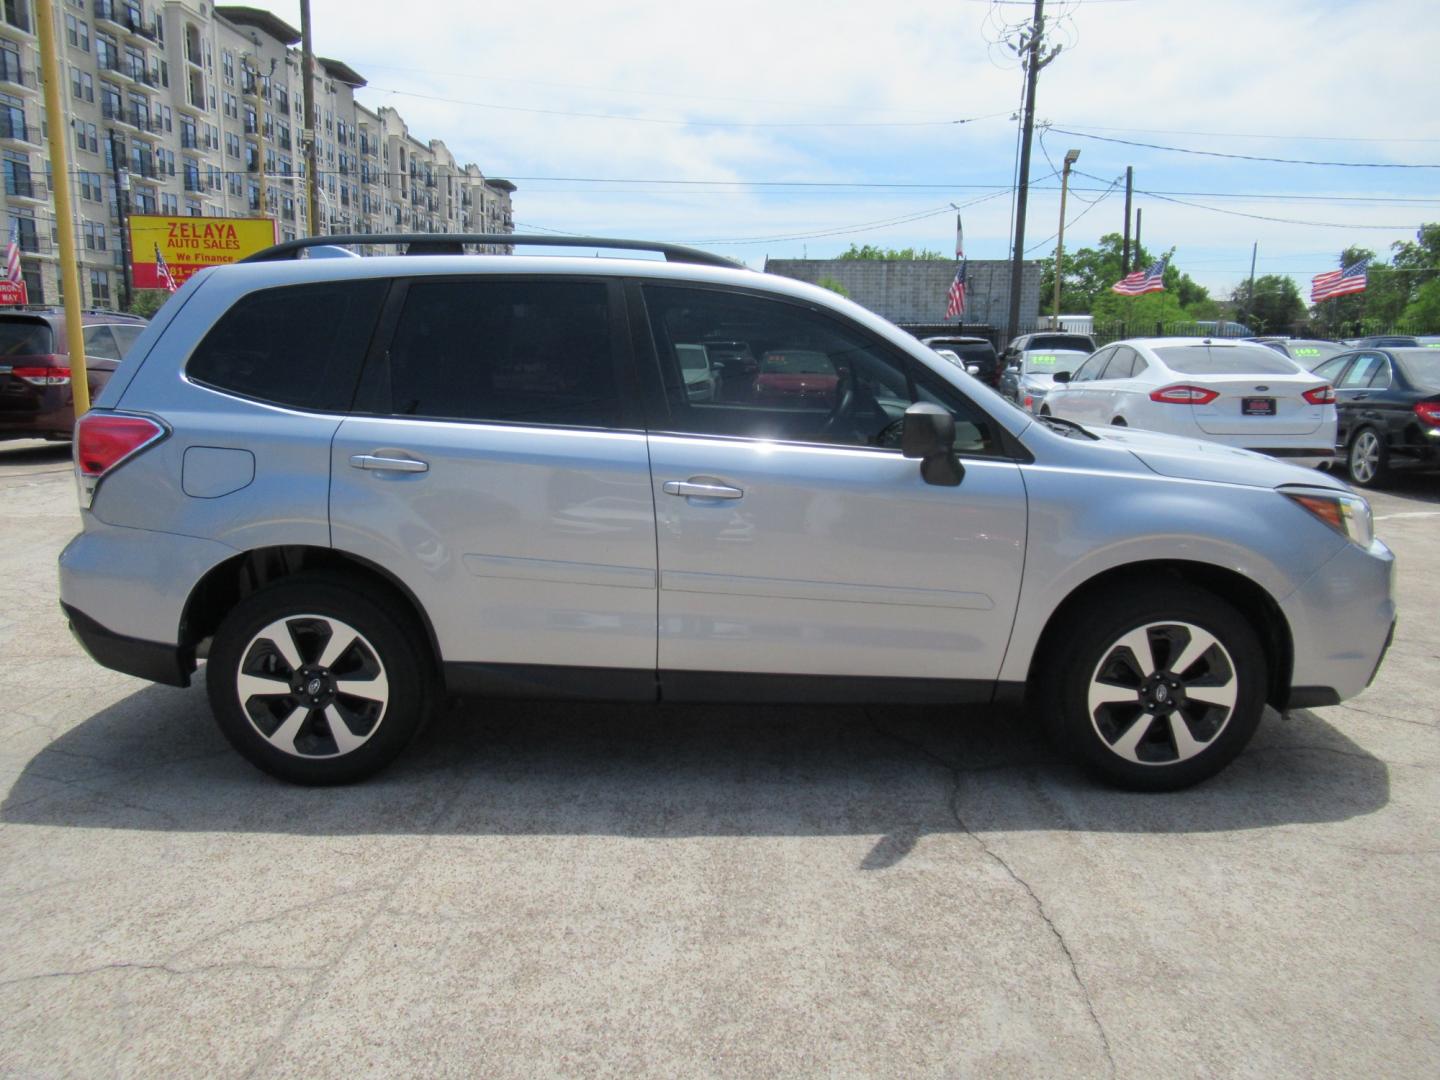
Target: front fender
[(1084, 523)]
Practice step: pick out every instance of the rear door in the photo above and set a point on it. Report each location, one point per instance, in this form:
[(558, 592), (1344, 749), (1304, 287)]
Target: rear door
[(497, 465)]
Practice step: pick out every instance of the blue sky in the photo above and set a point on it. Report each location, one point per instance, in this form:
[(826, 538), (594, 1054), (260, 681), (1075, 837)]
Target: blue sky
[(858, 100)]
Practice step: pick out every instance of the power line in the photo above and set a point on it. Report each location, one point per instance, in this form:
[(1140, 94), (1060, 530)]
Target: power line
[(1094, 203), (1246, 157), (670, 122), (948, 208), (1256, 135)]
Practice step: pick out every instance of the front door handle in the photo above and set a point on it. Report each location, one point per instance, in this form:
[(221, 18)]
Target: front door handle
[(376, 463), (691, 489)]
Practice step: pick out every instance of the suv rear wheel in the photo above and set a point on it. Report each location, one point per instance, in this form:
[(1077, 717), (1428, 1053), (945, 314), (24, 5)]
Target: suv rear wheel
[(1157, 691), (316, 683)]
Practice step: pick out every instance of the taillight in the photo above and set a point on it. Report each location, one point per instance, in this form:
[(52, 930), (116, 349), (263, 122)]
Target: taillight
[(1029, 401), (103, 440), (1428, 412), (1321, 395), (43, 376), (1183, 395)]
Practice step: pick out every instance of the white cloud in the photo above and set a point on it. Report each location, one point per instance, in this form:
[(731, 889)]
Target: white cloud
[(1282, 68)]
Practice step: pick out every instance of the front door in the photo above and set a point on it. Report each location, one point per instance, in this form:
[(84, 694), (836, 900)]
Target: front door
[(794, 539)]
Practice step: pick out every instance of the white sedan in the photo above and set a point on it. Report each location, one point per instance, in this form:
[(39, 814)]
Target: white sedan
[(1233, 392)]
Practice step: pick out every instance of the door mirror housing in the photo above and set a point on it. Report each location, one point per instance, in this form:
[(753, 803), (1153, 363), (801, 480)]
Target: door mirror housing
[(1061, 376), (972, 369), (928, 433)]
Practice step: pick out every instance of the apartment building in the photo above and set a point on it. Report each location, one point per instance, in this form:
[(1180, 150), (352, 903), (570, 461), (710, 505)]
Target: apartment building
[(186, 108)]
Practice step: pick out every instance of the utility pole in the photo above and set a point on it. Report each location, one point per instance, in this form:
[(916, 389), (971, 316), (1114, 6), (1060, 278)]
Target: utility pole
[(1071, 156), (122, 214), (1129, 192), (1033, 60), (63, 206), (1250, 298), (1139, 215), (310, 131)]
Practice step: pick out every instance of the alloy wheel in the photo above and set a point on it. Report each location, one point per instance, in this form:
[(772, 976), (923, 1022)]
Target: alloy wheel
[(1162, 693), (1365, 457), (312, 686)]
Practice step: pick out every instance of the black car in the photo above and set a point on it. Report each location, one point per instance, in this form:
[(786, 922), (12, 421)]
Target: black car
[(1388, 402), (1387, 341), (973, 352)]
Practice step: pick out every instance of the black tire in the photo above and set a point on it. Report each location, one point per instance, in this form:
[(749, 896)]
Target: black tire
[(388, 649), (1093, 636), (1367, 460), (1119, 421)]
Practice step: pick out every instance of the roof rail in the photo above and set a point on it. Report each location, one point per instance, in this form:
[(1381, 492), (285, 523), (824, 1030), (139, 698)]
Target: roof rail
[(450, 243)]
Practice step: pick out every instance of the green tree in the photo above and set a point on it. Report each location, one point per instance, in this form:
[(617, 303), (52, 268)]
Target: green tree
[(1275, 306), (147, 302), (1089, 273), (833, 285), (893, 254), (1423, 313)]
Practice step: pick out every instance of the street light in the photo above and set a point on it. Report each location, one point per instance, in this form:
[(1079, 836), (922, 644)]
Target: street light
[(1071, 156)]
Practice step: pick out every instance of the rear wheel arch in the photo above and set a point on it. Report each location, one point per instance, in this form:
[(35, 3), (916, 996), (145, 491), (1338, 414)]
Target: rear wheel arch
[(231, 581), (1258, 607)]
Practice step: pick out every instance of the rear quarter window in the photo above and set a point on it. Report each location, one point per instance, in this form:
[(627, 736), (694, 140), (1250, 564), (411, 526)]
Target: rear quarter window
[(300, 345)]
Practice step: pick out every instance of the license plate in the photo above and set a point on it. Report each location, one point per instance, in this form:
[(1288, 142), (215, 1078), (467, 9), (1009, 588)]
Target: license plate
[(1257, 406)]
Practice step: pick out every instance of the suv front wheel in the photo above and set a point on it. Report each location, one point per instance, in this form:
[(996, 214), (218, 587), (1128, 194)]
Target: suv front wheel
[(1156, 691), (315, 683)]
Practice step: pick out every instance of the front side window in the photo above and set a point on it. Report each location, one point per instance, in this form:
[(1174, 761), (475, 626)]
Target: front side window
[(301, 345), (524, 352), (742, 365), (1091, 369)]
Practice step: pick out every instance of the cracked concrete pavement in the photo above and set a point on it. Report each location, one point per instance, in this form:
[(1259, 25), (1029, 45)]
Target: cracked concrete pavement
[(543, 890)]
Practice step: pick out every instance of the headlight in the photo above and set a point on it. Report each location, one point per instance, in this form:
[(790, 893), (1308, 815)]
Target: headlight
[(1348, 515)]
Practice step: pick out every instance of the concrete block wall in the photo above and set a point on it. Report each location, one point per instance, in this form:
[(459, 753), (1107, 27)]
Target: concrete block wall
[(918, 291)]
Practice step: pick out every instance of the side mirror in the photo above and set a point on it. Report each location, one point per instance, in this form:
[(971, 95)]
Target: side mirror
[(928, 433), (1061, 376), (972, 369)]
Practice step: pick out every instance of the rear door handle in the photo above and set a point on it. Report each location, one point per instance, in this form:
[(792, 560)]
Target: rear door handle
[(376, 463), (691, 489)]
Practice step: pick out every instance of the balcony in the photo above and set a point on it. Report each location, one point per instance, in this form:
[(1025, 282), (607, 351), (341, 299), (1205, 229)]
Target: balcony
[(32, 244), (192, 51), (194, 183)]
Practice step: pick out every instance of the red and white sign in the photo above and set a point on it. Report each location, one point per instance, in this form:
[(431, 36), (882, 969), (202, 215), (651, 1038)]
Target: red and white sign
[(13, 292)]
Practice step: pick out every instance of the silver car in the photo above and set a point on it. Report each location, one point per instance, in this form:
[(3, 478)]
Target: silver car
[(354, 487)]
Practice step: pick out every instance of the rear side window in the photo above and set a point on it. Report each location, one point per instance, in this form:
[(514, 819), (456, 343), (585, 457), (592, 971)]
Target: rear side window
[(25, 337), (301, 345), (524, 352)]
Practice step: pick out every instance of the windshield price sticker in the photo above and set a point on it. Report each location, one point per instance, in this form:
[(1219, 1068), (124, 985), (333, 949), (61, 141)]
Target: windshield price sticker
[(1042, 360), (1307, 350)]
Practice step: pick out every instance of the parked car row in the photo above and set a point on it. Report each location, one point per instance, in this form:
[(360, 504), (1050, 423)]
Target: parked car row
[(1372, 408)]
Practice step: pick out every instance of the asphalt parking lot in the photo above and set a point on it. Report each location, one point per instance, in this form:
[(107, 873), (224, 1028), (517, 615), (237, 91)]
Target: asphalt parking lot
[(541, 890)]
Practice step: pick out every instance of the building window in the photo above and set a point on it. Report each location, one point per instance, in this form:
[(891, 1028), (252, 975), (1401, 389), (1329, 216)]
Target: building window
[(90, 186), (94, 234), (100, 288), (17, 14), (82, 85)]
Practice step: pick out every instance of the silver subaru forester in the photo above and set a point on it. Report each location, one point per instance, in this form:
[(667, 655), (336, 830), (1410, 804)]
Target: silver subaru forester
[(356, 486)]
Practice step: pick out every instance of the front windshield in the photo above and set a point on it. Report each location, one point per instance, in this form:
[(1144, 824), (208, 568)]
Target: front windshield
[(1048, 363)]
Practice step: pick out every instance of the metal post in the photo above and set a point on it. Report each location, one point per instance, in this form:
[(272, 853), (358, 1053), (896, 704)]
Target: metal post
[(122, 213), (1129, 192), (1032, 76), (1139, 215), (1071, 156), (1250, 299), (311, 129), (63, 207)]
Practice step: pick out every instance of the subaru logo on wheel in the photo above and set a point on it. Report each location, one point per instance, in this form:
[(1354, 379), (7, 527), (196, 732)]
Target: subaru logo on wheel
[(313, 687)]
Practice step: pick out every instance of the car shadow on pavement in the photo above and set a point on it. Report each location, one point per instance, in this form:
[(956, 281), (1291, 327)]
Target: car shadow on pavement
[(34, 452), (155, 761)]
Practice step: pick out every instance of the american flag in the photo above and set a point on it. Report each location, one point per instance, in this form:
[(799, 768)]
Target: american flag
[(12, 253), (956, 294), (163, 271), (1143, 281), (1342, 282)]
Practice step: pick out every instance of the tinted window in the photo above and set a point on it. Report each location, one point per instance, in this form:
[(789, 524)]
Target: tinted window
[(787, 372), (1331, 368), (1225, 360), (100, 343), (1090, 370), (1421, 367), (25, 337), (532, 352), (1073, 342), (1121, 365), (301, 345)]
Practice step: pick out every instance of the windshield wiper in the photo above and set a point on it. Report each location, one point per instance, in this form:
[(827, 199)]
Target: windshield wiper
[(1066, 427)]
